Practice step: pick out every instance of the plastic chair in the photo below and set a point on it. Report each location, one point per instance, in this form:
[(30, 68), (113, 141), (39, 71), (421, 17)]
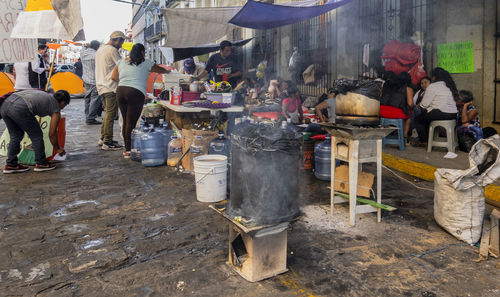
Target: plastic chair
[(398, 139), (434, 140)]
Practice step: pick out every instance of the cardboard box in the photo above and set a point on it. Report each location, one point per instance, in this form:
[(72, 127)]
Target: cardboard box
[(187, 139), (365, 181)]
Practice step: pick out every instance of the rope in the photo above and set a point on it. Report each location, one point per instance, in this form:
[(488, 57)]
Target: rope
[(419, 256), (420, 188)]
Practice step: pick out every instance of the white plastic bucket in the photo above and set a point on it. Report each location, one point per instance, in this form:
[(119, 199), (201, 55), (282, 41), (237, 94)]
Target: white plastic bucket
[(210, 174)]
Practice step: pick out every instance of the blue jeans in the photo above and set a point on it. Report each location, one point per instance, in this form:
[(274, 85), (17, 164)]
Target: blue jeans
[(92, 102), (19, 119)]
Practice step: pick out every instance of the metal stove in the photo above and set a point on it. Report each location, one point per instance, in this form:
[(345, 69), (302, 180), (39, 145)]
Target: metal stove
[(256, 252), (356, 145)]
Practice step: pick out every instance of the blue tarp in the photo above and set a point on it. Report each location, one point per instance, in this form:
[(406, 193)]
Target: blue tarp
[(258, 15)]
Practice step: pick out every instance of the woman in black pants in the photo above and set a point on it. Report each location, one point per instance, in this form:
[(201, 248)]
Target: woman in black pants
[(438, 103), (132, 77)]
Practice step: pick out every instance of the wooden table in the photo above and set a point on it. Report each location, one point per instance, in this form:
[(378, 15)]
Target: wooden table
[(184, 109)]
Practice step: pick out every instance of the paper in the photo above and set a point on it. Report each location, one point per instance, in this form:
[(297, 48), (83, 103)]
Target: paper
[(58, 157), (457, 57), (450, 155)]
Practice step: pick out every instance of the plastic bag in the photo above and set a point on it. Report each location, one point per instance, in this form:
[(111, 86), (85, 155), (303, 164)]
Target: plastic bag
[(369, 88)]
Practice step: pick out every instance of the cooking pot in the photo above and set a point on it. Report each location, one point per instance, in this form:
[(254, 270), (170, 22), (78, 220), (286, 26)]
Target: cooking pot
[(353, 108), (196, 86), (184, 85)]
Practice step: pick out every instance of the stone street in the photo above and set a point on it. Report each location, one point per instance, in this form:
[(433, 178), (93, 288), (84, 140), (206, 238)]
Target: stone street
[(100, 225)]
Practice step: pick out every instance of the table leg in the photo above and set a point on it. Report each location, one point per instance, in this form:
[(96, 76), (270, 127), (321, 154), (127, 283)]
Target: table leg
[(379, 178), (332, 175), (353, 179)]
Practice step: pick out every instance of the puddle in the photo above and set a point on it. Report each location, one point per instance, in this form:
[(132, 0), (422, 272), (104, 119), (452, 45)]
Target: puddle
[(93, 243), (159, 216), (61, 212)]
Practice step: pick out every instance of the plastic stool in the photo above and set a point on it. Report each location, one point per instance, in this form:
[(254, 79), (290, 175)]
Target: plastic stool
[(399, 139), (435, 141)]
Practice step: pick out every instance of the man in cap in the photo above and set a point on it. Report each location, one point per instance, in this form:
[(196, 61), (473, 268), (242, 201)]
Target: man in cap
[(105, 61), (192, 68), (92, 98)]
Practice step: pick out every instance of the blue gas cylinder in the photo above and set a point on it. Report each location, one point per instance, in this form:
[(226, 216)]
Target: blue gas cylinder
[(323, 159), (153, 148)]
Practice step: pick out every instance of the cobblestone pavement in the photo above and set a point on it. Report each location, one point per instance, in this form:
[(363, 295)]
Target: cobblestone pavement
[(100, 225)]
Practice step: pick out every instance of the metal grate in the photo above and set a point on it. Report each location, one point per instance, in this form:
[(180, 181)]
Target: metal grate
[(385, 20), (379, 22)]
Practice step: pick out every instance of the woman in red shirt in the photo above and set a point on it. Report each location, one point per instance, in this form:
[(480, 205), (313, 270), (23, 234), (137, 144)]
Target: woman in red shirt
[(291, 107)]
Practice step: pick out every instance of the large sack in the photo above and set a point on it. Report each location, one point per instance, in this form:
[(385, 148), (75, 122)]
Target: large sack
[(460, 212), (459, 198)]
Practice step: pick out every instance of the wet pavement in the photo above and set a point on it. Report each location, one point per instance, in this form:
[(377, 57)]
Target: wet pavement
[(100, 225)]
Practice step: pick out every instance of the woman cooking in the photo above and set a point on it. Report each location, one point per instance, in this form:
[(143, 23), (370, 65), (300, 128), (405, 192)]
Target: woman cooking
[(291, 107)]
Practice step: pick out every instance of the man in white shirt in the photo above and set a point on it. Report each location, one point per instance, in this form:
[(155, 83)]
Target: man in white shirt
[(92, 98), (39, 68), (105, 61)]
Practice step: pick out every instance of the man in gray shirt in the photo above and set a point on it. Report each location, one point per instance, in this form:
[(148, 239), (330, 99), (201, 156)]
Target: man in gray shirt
[(92, 98), (18, 112)]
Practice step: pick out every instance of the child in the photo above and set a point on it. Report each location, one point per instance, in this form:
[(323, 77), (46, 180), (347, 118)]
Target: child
[(468, 123)]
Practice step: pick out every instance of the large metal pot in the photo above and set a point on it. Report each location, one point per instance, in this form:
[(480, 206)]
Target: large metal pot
[(196, 86), (355, 108)]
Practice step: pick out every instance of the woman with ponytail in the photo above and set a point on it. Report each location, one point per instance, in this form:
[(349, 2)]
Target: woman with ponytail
[(438, 103)]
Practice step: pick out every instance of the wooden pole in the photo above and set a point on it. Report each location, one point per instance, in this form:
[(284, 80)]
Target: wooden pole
[(50, 71)]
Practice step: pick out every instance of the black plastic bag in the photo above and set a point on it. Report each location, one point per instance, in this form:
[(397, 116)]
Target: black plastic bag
[(466, 141), (369, 88)]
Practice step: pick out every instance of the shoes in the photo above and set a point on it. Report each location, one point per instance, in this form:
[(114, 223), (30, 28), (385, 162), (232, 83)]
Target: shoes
[(15, 169), (44, 167), (113, 146), (126, 154), (93, 122), (101, 142)]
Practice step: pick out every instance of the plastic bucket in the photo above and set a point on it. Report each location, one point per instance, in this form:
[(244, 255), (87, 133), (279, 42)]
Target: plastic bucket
[(210, 174)]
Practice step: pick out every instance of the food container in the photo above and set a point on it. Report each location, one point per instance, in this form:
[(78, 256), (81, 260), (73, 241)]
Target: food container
[(221, 97), (190, 96), (176, 96)]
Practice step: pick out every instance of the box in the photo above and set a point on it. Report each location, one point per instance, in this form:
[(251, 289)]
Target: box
[(221, 97), (187, 139), (258, 255), (190, 96), (365, 181)]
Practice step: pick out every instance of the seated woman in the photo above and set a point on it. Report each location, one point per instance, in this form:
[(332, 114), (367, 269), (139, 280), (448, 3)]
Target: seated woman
[(468, 123), (438, 103), (132, 76), (327, 105), (419, 95), (291, 107), (397, 99)]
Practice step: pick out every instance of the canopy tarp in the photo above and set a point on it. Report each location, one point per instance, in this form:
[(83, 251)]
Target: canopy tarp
[(67, 81), (51, 19), (259, 15), (188, 27), (188, 52), (6, 83)]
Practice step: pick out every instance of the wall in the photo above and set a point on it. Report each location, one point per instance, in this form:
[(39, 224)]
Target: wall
[(462, 20)]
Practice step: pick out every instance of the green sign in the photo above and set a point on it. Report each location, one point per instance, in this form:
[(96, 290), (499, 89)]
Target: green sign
[(457, 57)]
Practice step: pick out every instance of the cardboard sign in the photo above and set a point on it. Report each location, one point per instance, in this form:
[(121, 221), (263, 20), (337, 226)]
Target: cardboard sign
[(457, 57), (44, 124), (14, 50)]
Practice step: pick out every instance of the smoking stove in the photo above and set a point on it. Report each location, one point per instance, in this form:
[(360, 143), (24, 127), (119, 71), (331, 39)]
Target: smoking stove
[(356, 145), (256, 252)]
